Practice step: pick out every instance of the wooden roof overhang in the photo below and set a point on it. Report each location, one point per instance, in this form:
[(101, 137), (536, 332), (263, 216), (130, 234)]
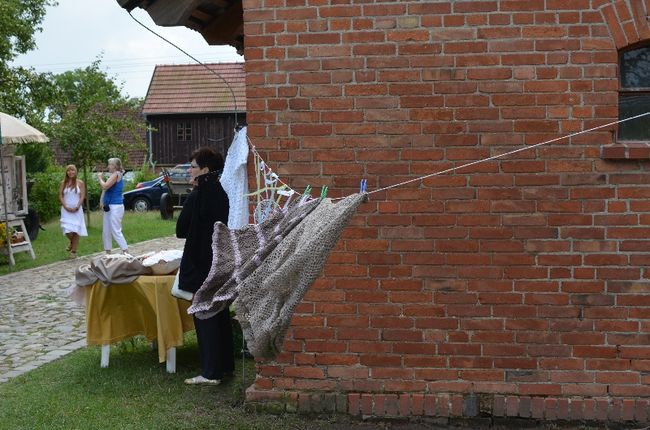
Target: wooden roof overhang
[(220, 22)]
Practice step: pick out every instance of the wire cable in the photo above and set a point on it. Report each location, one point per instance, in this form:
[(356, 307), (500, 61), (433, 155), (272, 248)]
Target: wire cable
[(232, 93)]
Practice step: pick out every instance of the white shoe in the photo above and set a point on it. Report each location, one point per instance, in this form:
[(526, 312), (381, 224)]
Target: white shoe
[(197, 380)]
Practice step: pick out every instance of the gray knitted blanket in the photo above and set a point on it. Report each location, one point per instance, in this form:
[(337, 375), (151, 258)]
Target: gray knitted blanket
[(266, 269)]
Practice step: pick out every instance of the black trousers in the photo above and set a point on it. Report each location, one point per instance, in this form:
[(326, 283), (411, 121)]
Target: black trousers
[(214, 336)]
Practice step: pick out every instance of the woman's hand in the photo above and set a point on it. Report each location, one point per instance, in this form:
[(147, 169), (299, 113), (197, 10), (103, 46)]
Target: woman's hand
[(112, 179)]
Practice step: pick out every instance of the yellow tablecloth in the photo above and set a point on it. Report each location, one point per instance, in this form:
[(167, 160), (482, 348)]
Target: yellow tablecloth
[(145, 306)]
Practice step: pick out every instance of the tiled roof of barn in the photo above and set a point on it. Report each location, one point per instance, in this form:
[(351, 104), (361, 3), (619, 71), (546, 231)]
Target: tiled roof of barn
[(192, 88)]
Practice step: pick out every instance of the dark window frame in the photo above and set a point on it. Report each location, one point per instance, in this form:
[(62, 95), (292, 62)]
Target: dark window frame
[(634, 99)]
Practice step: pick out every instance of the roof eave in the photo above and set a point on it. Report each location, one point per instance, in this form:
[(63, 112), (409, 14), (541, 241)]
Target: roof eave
[(220, 22)]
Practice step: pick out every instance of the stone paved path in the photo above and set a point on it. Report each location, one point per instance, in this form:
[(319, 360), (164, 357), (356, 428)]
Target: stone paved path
[(38, 322)]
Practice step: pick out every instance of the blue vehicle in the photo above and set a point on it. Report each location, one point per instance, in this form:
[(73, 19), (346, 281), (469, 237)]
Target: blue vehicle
[(147, 183), (149, 195), (145, 198)]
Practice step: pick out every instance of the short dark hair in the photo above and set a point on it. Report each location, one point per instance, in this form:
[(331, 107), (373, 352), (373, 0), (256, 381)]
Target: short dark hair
[(207, 157)]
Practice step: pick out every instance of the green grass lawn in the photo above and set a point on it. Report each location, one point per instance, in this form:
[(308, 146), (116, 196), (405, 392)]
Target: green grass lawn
[(50, 244), (134, 392)]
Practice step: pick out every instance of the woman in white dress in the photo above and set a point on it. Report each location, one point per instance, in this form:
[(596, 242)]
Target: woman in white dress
[(72, 193)]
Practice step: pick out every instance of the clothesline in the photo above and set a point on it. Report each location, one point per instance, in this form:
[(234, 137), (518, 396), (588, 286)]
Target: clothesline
[(494, 157), (473, 163)]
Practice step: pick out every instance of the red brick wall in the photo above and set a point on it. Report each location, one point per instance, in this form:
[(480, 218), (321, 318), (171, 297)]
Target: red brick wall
[(515, 287)]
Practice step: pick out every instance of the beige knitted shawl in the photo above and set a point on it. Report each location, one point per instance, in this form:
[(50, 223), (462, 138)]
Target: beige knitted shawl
[(267, 268)]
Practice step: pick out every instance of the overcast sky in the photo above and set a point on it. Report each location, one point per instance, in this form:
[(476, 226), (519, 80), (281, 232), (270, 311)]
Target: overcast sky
[(76, 32)]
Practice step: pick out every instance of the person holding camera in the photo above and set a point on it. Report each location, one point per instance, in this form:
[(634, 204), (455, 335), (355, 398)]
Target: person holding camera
[(113, 206)]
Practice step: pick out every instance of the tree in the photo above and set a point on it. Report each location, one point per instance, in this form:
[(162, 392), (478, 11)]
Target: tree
[(30, 96), (92, 120), (24, 93), (19, 19)]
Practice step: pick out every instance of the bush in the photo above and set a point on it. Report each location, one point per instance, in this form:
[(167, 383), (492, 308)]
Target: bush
[(93, 191), (145, 173), (44, 195), (38, 156)]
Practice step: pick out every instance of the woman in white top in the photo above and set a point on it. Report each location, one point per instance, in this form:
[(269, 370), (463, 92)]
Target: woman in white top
[(72, 193)]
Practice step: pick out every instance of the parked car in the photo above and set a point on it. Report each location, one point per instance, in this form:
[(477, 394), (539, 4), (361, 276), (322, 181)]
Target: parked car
[(147, 183), (178, 173), (145, 198)]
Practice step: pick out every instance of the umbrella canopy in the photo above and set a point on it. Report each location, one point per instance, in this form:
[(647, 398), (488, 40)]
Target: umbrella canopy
[(13, 130)]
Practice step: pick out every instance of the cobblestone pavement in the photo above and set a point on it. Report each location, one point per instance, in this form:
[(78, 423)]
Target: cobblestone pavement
[(38, 322)]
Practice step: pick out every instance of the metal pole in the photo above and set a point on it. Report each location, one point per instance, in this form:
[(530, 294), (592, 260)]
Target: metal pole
[(4, 198)]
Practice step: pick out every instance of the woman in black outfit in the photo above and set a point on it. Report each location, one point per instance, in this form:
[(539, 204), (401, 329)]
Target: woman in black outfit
[(205, 205)]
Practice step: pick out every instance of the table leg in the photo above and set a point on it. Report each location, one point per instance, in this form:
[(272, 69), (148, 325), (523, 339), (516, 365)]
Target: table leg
[(171, 360), (106, 349)]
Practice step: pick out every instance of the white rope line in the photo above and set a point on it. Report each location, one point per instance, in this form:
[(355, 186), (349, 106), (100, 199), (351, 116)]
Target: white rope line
[(451, 169), (494, 157)]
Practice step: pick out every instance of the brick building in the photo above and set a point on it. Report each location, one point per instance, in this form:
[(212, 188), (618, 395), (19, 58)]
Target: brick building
[(513, 288)]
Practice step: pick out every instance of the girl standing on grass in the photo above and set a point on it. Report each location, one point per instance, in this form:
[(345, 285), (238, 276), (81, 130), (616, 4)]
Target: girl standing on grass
[(72, 193)]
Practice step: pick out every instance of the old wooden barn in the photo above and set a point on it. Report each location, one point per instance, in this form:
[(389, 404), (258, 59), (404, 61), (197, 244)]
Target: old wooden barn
[(189, 106)]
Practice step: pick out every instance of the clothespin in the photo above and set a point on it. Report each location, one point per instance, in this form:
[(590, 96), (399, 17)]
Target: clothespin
[(271, 179), (323, 192), (364, 185), (305, 195), (285, 191), (286, 203)]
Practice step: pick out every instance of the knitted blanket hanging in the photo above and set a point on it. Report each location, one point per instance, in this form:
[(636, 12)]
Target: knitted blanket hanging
[(266, 269)]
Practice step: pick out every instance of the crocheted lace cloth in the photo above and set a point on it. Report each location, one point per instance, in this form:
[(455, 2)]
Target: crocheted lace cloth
[(234, 181), (267, 268)]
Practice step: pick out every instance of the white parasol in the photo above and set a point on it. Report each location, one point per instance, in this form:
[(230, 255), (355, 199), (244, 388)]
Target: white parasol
[(12, 131)]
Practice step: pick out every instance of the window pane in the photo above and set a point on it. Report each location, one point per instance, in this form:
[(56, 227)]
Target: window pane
[(631, 105), (635, 68)]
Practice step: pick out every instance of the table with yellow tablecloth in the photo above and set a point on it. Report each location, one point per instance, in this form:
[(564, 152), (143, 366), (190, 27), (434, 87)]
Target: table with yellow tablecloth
[(145, 306)]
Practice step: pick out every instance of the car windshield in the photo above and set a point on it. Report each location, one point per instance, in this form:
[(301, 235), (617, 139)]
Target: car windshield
[(179, 173)]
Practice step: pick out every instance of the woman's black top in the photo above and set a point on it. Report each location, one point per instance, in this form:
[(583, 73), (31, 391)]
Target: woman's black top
[(205, 205)]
